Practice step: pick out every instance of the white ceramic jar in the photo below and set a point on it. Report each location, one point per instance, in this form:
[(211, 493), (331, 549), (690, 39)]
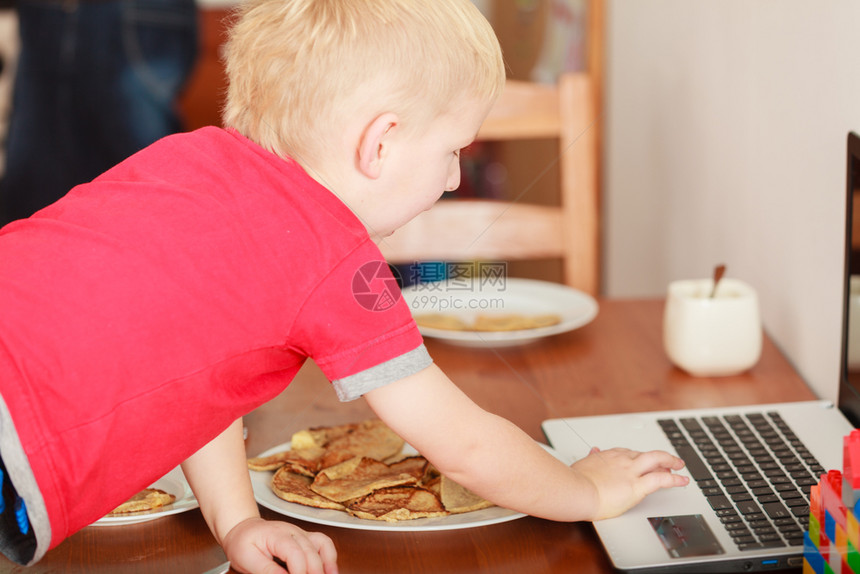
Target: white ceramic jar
[(712, 336)]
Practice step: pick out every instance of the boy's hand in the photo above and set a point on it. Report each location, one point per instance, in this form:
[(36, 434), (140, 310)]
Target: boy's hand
[(252, 546), (622, 477)]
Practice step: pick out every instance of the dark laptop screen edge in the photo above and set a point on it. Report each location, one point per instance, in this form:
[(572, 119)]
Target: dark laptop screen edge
[(849, 389)]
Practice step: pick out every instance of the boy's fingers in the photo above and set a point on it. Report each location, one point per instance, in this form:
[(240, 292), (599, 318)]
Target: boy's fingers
[(308, 553), (644, 461), (326, 550), (295, 553), (656, 460), (657, 480), (657, 467)]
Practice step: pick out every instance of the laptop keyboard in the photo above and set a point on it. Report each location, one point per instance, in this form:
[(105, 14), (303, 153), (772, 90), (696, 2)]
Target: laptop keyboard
[(753, 470)]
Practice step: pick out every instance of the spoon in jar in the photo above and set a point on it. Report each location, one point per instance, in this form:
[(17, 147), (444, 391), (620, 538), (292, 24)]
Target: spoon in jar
[(719, 271)]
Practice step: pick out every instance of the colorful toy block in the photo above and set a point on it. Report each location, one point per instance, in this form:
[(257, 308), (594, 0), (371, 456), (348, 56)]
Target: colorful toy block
[(851, 470), (832, 540)]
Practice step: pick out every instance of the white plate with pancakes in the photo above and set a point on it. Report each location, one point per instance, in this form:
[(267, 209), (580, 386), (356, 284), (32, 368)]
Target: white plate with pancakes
[(261, 482), (174, 483), (463, 302)]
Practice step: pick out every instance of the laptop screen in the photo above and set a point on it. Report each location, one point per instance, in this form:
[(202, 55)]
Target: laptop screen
[(849, 388)]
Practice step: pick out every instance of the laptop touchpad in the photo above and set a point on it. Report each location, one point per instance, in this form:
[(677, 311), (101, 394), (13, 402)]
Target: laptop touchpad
[(686, 535)]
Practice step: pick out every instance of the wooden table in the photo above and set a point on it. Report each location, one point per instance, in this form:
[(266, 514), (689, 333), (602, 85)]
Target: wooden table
[(614, 364)]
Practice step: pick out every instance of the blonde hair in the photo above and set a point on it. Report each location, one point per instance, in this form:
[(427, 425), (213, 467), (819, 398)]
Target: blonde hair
[(295, 66)]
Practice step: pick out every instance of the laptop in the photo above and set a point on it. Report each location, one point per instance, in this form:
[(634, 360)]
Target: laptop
[(747, 505)]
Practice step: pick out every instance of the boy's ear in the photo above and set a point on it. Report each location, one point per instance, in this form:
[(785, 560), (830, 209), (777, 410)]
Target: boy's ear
[(374, 144)]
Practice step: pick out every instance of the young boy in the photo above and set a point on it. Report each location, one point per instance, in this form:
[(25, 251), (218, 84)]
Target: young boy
[(143, 314)]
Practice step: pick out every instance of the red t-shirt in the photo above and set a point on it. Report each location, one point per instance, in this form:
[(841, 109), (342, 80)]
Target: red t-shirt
[(144, 312)]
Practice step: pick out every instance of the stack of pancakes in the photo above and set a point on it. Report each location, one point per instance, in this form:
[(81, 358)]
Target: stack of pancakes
[(359, 468), (488, 322)]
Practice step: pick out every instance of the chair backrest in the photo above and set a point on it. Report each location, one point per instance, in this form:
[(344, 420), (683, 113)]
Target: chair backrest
[(493, 230)]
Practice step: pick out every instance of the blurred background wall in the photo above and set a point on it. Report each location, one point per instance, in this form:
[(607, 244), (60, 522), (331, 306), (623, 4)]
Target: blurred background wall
[(726, 123)]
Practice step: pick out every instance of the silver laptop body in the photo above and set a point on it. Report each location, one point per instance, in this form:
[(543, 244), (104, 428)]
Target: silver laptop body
[(679, 530), (692, 529)]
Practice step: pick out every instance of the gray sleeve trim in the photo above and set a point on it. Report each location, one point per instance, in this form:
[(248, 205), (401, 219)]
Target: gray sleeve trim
[(354, 386), (18, 467)]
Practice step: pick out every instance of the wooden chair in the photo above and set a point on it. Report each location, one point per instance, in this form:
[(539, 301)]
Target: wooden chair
[(494, 230)]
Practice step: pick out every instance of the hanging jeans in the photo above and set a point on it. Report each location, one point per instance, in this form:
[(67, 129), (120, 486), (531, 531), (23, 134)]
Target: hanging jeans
[(97, 80)]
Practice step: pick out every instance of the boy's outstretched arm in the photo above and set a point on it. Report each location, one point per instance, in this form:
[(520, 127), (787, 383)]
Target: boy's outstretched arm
[(495, 459), (218, 475)]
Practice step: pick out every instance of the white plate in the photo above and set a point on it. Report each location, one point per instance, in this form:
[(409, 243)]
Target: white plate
[(468, 298), (261, 482), (173, 483)]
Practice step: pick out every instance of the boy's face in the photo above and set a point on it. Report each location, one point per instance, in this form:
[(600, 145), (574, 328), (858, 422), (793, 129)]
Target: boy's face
[(421, 166)]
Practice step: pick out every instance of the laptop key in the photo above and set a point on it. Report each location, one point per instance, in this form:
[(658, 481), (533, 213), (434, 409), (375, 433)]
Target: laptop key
[(776, 510), (769, 536), (787, 488), (788, 520), (695, 466), (789, 533), (761, 524), (719, 502), (690, 423), (801, 512), (747, 507)]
